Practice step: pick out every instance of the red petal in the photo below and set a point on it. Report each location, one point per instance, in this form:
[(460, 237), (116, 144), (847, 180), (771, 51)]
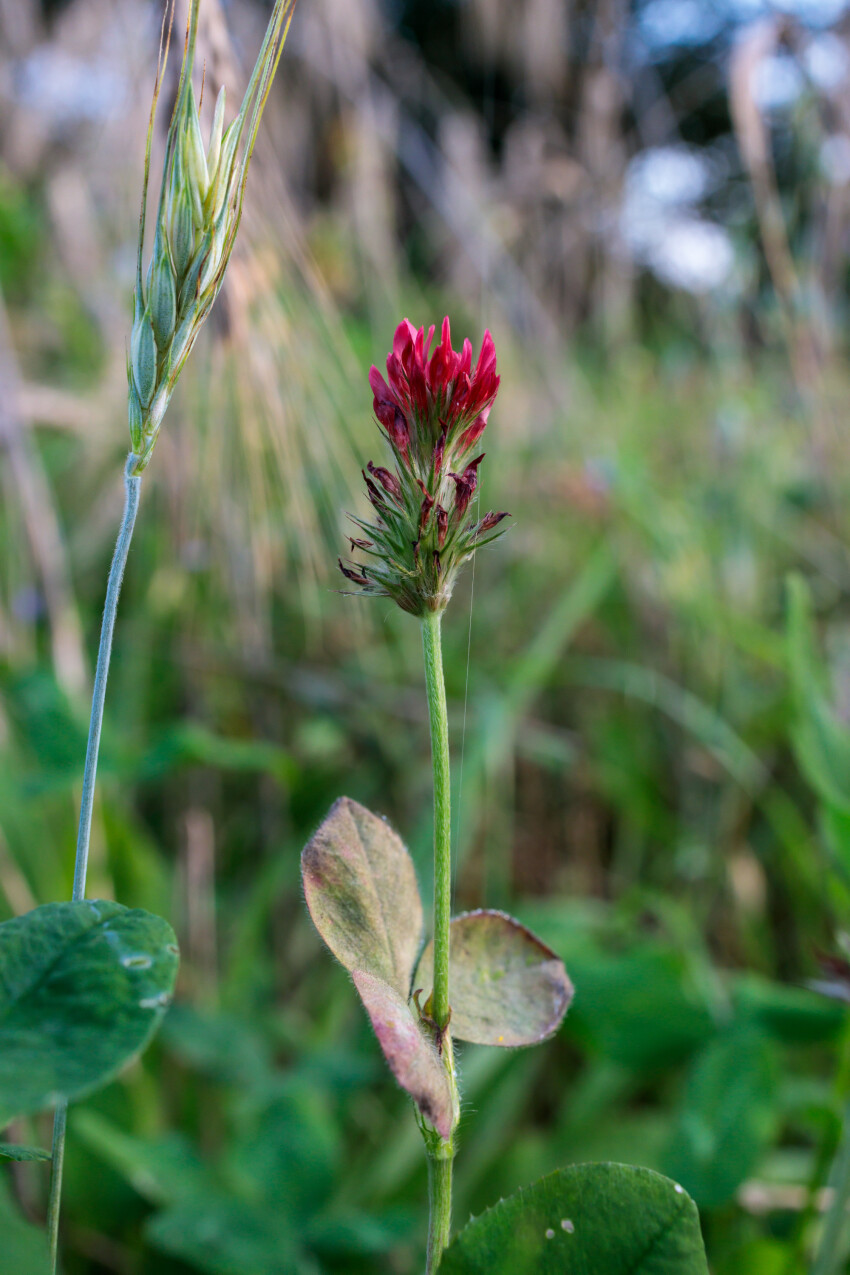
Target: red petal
[(405, 334)]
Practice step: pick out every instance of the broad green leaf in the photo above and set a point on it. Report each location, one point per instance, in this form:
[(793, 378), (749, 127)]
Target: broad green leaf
[(505, 986), (641, 1007), (345, 1232), (413, 1059), (727, 1118), (222, 1235), (24, 1246), (590, 1219), (163, 1170), (9, 1151), (361, 890), (287, 1148), (83, 987), (226, 1046)]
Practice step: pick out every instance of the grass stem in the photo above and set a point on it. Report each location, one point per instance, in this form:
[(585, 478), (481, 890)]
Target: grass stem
[(132, 488)]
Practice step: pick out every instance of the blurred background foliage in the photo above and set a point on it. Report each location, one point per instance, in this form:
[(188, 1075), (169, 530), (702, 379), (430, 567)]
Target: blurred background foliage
[(647, 202)]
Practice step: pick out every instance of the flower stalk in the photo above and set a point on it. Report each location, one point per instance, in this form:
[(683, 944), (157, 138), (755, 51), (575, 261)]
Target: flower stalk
[(440, 1151), (439, 1206), (438, 717)]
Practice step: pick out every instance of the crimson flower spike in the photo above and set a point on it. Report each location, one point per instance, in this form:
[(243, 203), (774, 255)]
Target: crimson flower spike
[(433, 409)]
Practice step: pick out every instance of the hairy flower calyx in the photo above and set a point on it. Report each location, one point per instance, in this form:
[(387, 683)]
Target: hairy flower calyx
[(433, 408)]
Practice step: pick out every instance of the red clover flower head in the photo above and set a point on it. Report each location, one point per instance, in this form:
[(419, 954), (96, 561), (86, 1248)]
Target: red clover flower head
[(433, 409)]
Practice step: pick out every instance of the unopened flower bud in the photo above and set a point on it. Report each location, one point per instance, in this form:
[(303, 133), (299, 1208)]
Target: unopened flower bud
[(388, 481), (143, 357), (354, 576), (489, 521), (465, 485), (425, 511)]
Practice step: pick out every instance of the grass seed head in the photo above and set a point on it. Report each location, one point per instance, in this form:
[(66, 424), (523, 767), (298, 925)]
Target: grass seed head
[(198, 214)]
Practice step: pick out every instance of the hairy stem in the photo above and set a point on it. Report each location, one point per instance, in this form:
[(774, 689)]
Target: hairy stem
[(440, 1152), (436, 687), (440, 1207), (132, 488)]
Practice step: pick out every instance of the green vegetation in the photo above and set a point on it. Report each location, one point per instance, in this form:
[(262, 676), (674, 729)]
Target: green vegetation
[(647, 683), (639, 783)]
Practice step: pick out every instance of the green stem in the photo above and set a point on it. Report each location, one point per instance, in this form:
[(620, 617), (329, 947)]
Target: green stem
[(438, 714), (440, 1152), (132, 488), (830, 1254), (60, 1120), (440, 1207)]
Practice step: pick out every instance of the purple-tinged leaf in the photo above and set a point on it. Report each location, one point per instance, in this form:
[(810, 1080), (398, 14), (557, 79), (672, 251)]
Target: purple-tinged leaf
[(412, 1057), (361, 890), (506, 987)]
